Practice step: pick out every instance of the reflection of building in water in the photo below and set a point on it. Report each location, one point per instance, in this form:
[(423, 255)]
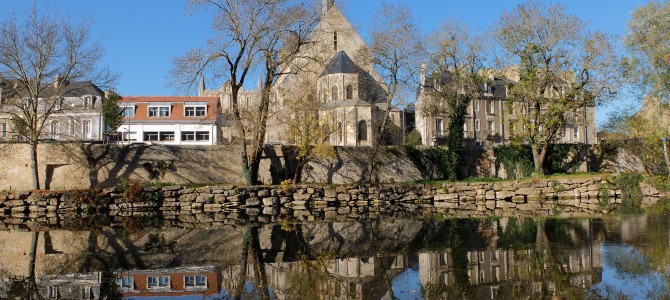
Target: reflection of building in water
[(347, 278), (71, 286), (169, 282), (489, 268)]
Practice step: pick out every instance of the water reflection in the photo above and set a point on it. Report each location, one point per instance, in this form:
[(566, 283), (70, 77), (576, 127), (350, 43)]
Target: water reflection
[(393, 258)]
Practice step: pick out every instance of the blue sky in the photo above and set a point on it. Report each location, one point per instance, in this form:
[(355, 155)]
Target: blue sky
[(142, 37)]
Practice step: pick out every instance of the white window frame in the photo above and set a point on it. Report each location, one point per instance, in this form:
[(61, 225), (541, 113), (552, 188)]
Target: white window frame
[(490, 126), (131, 109), (159, 282), (492, 107), (192, 282), (159, 111), (439, 127), (200, 134), (575, 135), (86, 131), (126, 282), (477, 125), (476, 105), (88, 102), (54, 129), (196, 112)]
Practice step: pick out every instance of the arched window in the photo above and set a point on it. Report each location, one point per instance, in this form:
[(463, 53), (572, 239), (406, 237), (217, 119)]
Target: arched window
[(350, 92), (333, 93), (335, 40), (362, 130)]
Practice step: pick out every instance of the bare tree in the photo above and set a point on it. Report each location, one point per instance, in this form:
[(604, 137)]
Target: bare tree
[(560, 68), (308, 126), (255, 36), (648, 64), (395, 52), (457, 77), (38, 60)]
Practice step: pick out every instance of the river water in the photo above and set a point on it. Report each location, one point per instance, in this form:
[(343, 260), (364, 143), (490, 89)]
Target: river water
[(392, 257)]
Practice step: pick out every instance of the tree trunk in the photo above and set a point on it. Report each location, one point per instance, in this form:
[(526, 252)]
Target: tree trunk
[(259, 136), (539, 155), (237, 294), (33, 255), (666, 156), (34, 166)]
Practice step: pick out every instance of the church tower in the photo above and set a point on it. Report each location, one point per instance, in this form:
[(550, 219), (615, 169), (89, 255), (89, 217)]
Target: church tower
[(327, 4)]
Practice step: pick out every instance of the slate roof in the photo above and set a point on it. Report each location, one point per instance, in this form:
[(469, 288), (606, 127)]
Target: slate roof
[(341, 63)]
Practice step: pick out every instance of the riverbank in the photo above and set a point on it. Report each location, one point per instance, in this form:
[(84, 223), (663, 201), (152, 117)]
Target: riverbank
[(571, 196)]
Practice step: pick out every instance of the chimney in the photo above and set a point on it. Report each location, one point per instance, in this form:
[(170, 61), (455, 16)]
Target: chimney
[(327, 4)]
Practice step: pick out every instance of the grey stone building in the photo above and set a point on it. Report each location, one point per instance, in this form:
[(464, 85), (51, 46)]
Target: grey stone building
[(347, 92), (490, 116), (72, 112)]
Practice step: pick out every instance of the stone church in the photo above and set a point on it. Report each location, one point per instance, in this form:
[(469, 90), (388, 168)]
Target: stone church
[(348, 95)]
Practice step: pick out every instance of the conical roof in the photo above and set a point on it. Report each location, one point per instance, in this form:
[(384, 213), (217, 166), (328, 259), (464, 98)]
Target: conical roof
[(341, 63)]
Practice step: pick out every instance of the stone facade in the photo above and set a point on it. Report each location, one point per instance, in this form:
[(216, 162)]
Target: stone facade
[(350, 95), (490, 117), (76, 112)]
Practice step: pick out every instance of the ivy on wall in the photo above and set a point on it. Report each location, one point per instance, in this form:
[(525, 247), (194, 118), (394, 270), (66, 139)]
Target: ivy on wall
[(517, 160)]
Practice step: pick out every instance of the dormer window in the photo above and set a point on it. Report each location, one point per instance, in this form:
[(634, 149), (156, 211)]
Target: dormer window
[(195, 109), (335, 41), (88, 101), (159, 111)]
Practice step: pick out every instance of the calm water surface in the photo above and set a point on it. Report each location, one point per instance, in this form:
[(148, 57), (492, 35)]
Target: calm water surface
[(385, 258)]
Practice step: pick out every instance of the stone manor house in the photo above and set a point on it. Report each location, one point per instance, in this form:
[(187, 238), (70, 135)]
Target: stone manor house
[(348, 95)]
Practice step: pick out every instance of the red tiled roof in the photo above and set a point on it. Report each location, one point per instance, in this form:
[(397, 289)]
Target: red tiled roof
[(166, 98)]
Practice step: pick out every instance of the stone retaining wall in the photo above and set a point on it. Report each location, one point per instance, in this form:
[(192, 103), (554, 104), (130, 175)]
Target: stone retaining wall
[(540, 197)]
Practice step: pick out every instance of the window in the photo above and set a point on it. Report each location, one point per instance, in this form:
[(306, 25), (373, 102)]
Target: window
[(129, 111), (575, 134), (87, 102), (151, 136), (202, 136), (86, 292), (159, 111), (129, 136), (476, 104), (489, 127), (53, 130), (333, 92), (350, 92), (195, 281), (188, 136), (492, 107), (477, 127), (53, 292), (3, 130), (362, 131), (340, 131), (86, 129), (154, 282), (166, 136), (195, 111), (438, 127), (126, 282), (73, 127), (335, 40)]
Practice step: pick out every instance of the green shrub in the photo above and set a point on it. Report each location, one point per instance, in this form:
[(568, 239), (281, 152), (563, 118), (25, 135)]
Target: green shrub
[(631, 193)]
